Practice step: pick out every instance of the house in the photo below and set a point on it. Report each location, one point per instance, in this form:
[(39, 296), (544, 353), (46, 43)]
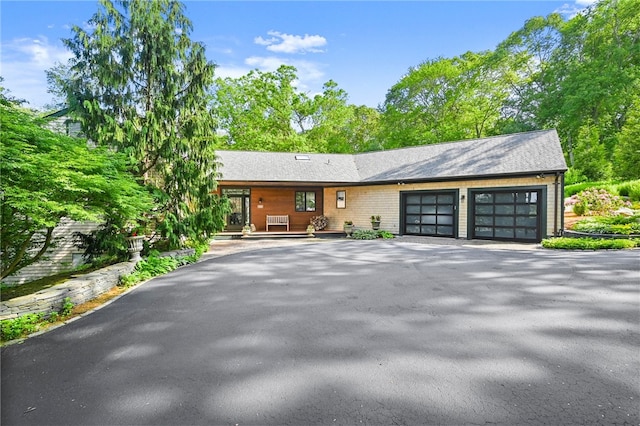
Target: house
[(506, 187)]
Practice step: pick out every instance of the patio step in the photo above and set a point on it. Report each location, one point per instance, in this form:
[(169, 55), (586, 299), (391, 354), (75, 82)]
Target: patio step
[(277, 235)]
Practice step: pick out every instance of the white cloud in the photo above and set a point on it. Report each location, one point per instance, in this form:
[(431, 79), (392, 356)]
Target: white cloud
[(570, 10), (288, 43), (310, 74), (24, 61)]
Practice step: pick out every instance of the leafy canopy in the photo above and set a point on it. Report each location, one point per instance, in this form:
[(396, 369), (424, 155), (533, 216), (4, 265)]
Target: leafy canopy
[(138, 83), (46, 177)]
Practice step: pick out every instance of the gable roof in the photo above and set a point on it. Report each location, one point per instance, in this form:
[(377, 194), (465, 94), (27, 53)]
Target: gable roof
[(514, 154)]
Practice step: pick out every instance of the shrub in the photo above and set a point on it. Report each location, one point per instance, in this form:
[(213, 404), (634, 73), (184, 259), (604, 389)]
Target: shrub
[(623, 225), (155, 265), (589, 243), (630, 189), (596, 201), (370, 234), (18, 327)]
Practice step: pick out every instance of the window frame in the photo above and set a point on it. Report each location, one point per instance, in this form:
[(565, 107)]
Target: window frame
[(305, 201)]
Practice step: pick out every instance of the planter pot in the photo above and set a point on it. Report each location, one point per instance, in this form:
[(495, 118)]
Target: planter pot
[(375, 224), (135, 247), (310, 231), (348, 229)]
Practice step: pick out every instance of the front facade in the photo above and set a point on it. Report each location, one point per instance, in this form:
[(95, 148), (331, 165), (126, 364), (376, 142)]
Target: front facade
[(504, 188)]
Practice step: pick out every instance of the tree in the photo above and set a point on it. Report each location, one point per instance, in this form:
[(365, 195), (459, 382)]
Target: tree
[(627, 152), (46, 177), (138, 84), (263, 111), (445, 100), (593, 77), (257, 111)]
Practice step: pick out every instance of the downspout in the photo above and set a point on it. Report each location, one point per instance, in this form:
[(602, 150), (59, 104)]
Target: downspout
[(562, 215), (555, 207)]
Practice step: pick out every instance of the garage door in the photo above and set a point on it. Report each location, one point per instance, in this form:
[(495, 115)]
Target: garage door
[(507, 215), (430, 213)]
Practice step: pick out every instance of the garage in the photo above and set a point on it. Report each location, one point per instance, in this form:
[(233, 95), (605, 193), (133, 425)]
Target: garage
[(507, 214), (430, 213)]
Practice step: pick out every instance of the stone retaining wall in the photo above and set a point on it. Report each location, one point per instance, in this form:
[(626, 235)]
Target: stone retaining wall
[(576, 234), (80, 290)]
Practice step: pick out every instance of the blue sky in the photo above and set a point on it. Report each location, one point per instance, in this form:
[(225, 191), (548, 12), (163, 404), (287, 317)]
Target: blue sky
[(365, 47)]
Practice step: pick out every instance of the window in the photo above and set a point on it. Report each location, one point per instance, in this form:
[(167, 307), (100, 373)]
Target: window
[(305, 201)]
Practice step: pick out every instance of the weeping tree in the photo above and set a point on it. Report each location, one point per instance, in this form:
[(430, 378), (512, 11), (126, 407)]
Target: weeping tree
[(138, 84)]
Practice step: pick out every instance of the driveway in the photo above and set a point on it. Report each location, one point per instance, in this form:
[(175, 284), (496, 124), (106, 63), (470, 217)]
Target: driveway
[(349, 332)]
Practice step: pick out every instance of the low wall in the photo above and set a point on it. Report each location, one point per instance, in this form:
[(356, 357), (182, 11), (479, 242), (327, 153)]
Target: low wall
[(79, 290), (576, 234)]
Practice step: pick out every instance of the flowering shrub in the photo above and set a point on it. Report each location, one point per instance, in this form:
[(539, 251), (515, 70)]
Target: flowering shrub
[(595, 201), (319, 222)]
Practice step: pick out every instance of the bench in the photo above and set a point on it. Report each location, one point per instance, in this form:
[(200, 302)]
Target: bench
[(278, 220)]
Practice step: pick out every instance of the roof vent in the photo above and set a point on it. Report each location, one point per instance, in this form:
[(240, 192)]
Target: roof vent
[(303, 158)]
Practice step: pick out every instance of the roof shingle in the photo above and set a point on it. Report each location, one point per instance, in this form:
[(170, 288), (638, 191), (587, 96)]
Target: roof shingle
[(520, 153)]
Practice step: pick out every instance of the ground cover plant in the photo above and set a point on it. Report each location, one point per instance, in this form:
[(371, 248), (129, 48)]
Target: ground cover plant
[(147, 268), (622, 225), (155, 265), (11, 329), (370, 234)]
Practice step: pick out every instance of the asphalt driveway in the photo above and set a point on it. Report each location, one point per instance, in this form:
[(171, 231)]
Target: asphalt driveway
[(349, 332)]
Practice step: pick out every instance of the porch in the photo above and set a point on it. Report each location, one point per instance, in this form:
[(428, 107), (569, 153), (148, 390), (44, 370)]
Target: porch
[(233, 235)]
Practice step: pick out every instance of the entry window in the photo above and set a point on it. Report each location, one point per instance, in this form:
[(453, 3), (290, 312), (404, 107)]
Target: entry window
[(305, 201)]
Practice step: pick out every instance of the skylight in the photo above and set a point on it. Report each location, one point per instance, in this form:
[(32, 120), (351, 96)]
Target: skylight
[(303, 158)]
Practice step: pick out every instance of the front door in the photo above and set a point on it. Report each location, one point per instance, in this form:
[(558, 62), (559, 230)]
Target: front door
[(240, 208)]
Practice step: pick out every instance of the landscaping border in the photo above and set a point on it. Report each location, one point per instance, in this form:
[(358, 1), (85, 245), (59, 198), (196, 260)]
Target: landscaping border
[(79, 290), (576, 234)]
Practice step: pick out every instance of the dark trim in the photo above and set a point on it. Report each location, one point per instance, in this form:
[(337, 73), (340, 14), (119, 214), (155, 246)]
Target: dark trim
[(562, 205), (397, 181), (542, 209)]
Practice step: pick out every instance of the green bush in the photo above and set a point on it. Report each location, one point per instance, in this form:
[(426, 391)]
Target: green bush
[(21, 326), (630, 189), (155, 265), (589, 243), (570, 190), (370, 234), (623, 225), (30, 323)]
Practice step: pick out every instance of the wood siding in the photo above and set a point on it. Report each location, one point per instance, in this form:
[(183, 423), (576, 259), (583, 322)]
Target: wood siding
[(282, 201)]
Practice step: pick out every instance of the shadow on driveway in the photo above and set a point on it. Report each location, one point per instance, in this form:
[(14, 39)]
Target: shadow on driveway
[(349, 332)]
